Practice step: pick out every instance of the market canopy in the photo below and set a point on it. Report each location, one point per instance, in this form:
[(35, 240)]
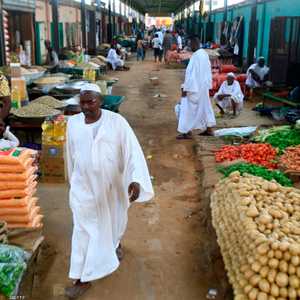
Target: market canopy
[(159, 7)]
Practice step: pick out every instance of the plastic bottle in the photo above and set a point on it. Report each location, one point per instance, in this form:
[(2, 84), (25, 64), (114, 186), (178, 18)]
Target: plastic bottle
[(15, 98), (48, 131), (59, 130)]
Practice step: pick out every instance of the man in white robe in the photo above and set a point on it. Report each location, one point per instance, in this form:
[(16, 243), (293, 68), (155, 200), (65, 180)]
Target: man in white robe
[(196, 110), (107, 171), (257, 74), (230, 96), (114, 59)]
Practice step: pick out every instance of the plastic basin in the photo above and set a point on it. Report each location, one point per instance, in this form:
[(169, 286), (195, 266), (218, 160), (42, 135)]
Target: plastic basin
[(112, 102)]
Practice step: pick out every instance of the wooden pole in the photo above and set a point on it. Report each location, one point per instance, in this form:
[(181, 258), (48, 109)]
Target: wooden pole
[(2, 41), (225, 10), (83, 24), (252, 41), (109, 32), (55, 22)]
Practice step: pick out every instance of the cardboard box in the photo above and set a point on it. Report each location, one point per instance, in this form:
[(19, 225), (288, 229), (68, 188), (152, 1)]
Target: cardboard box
[(53, 151), (53, 164)]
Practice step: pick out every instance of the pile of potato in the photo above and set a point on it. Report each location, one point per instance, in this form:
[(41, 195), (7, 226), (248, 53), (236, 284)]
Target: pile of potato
[(258, 228)]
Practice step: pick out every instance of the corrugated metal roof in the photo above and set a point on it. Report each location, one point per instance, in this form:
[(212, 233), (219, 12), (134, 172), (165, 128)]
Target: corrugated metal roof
[(161, 7), (20, 5)]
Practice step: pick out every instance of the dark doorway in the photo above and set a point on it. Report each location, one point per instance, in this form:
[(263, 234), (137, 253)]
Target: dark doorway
[(285, 50)]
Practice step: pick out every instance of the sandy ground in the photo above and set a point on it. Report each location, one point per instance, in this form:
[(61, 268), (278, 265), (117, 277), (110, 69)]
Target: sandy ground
[(163, 240)]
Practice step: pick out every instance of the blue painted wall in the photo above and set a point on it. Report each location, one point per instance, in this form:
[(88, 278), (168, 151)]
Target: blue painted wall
[(266, 10)]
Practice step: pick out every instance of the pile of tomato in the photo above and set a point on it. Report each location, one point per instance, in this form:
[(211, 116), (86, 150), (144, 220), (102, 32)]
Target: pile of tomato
[(259, 154)]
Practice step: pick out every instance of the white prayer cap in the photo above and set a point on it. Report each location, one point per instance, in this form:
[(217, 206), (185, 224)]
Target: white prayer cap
[(90, 87), (231, 75)]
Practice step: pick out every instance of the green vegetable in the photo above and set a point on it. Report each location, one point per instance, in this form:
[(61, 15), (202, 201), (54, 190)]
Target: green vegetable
[(257, 171), (12, 266), (279, 137)]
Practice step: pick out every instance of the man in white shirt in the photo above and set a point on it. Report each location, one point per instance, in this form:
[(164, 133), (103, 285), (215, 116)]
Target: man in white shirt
[(157, 46), (257, 74)]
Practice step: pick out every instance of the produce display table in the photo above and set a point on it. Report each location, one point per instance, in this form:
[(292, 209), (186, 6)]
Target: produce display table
[(75, 71), (31, 241), (270, 100)]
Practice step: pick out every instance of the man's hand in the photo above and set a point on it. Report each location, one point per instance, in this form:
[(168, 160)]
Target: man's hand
[(134, 191)]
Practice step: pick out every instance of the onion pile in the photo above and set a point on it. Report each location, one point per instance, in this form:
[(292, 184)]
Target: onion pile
[(258, 230)]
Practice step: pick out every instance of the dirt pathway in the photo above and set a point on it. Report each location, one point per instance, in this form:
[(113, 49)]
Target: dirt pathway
[(163, 240)]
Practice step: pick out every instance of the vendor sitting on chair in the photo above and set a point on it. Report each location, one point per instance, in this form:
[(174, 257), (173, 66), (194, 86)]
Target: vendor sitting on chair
[(257, 74), (230, 96)]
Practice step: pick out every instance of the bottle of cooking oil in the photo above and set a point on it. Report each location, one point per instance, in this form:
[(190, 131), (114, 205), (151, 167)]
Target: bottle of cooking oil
[(15, 97), (48, 131), (59, 130), (93, 75)]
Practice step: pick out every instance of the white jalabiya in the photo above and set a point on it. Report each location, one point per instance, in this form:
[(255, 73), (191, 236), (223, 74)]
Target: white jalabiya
[(114, 59), (9, 140), (179, 42), (261, 72), (196, 110), (101, 169), (235, 93)]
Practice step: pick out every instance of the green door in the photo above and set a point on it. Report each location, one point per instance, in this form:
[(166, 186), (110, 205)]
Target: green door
[(38, 54), (60, 34)]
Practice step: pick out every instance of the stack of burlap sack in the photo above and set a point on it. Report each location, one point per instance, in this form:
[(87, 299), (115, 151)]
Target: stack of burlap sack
[(18, 205)]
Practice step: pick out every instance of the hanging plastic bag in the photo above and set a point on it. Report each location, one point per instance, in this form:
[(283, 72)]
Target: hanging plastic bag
[(10, 277), (12, 267), (236, 49)]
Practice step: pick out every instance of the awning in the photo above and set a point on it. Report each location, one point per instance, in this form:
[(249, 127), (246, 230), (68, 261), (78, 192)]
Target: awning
[(19, 5)]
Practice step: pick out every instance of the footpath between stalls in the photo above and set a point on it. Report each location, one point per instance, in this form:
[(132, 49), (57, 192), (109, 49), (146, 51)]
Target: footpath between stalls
[(269, 152)]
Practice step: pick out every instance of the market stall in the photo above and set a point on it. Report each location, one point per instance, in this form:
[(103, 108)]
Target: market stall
[(21, 221), (254, 210)]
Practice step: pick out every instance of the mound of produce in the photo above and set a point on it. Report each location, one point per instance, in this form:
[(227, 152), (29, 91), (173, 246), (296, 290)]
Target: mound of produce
[(290, 160), (35, 110), (258, 230), (49, 101), (279, 137), (260, 154), (256, 170)]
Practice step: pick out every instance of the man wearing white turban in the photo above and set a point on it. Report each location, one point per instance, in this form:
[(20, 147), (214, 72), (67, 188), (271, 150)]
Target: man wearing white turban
[(114, 59), (196, 110), (230, 96), (257, 74), (107, 171)]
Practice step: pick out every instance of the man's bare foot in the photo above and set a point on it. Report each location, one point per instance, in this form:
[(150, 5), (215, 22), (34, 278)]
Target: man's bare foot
[(77, 289)]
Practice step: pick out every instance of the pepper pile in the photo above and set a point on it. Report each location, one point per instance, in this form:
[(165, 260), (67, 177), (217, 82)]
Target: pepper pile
[(290, 160), (258, 171), (260, 154), (228, 153), (279, 137)]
